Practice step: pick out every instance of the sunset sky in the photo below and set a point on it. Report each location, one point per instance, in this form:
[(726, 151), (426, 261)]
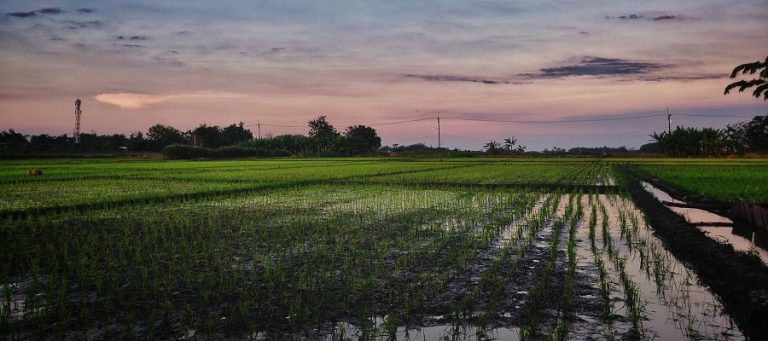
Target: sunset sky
[(283, 62)]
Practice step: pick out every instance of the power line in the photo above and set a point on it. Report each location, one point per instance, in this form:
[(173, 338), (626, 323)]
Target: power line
[(558, 121), (399, 122), (421, 139), (715, 115)]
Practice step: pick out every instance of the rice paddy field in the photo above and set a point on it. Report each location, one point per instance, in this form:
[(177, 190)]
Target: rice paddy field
[(723, 179), (337, 249)]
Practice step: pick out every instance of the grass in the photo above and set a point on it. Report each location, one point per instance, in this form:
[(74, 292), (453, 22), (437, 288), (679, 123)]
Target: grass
[(722, 179)]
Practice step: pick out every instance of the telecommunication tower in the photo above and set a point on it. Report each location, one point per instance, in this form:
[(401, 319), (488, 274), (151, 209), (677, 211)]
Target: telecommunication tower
[(77, 120)]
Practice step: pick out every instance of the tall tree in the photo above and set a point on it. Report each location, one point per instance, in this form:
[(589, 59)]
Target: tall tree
[(207, 136), (234, 134), (750, 135), (160, 136), (760, 83), (360, 139), (509, 143), (323, 134)]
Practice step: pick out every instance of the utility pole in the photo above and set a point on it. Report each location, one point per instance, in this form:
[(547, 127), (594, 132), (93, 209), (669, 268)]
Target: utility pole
[(669, 122), (439, 136), (77, 121), (258, 124)]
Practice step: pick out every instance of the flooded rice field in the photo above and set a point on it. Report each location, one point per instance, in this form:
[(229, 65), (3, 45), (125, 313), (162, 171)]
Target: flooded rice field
[(364, 258), (495, 266), (621, 283)]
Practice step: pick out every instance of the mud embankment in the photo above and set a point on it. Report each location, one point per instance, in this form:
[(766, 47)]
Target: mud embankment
[(740, 280), (753, 214)]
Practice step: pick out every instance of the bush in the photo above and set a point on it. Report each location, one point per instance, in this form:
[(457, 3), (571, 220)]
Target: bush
[(180, 151)]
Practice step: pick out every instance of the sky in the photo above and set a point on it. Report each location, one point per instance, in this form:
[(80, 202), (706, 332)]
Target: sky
[(551, 73)]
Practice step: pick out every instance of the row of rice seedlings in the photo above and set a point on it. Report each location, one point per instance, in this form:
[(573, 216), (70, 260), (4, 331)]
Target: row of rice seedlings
[(661, 270), (488, 232), (633, 304), (533, 306), (604, 280), (490, 229), (673, 283), (560, 332), (505, 263)]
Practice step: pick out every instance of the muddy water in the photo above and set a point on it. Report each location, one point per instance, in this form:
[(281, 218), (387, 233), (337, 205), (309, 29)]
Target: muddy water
[(675, 305), (15, 299), (346, 331), (743, 240)]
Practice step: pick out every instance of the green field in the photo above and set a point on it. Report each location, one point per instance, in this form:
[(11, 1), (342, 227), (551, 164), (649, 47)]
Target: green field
[(331, 248), (723, 179)]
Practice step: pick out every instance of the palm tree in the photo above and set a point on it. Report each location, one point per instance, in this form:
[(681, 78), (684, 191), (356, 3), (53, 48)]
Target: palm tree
[(509, 143), (760, 83), (492, 147)]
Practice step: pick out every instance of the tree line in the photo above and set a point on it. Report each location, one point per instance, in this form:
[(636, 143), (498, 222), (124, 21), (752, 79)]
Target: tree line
[(156, 138), (322, 139), (737, 138)]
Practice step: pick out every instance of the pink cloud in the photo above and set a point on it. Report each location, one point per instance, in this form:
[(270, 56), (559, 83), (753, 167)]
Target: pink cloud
[(128, 100)]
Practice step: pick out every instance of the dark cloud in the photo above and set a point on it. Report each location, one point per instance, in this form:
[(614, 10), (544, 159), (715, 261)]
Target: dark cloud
[(73, 25), (132, 38), (22, 14), (50, 10), (666, 17), (632, 17), (644, 17), (686, 77), (451, 78), (86, 10), (133, 45), (43, 11), (596, 66)]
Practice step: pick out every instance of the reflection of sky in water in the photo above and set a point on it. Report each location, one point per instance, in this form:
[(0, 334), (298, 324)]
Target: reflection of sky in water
[(723, 234), (678, 309), (438, 332), (739, 243)]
